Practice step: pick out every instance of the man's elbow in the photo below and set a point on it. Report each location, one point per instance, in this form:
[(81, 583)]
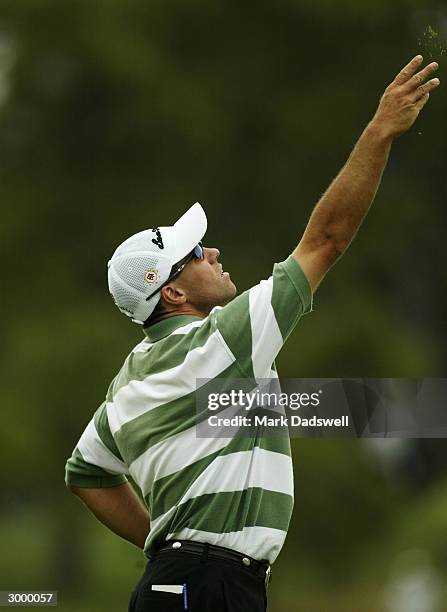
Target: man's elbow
[(324, 252), (332, 242), (318, 257)]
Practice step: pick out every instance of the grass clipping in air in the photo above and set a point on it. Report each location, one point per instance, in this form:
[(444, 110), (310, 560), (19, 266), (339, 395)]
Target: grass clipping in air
[(430, 45)]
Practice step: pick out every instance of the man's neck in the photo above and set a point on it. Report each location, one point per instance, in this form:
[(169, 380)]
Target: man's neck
[(185, 309)]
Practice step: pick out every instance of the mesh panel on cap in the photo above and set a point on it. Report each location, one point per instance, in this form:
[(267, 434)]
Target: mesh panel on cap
[(132, 269), (145, 308), (129, 282), (124, 297)]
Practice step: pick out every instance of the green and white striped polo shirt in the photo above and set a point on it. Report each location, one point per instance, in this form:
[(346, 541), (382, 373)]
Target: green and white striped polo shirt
[(236, 493)]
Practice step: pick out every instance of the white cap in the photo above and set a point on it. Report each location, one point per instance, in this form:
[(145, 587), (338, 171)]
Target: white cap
[(143, 262)]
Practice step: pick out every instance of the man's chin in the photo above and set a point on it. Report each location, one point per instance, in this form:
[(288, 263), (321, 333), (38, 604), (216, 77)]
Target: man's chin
[(229, 294)]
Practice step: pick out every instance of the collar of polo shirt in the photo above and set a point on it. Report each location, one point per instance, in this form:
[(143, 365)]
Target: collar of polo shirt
[(164, 328)]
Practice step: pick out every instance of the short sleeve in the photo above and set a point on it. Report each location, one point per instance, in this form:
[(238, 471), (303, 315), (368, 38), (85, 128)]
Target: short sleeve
[(256, 324), (95, 461)]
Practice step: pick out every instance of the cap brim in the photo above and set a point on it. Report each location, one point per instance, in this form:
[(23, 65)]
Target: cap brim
[(189, 231)]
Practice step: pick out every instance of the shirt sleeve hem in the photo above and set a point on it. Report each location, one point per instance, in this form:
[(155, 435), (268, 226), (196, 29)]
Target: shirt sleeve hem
[(94, 482), (300, 282)]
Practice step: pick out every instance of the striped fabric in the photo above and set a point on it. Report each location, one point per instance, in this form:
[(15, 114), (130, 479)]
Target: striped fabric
[(236, 493)]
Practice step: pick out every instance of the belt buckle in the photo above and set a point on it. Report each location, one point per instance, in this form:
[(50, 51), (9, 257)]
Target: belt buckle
[(268, 576)]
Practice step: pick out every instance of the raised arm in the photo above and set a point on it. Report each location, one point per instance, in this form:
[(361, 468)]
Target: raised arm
[(340, 212)]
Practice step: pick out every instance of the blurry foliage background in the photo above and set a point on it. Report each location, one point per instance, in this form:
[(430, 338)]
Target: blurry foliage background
[(115, 116)]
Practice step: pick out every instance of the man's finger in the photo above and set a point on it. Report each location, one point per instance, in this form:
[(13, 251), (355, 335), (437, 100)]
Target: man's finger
[(420, 77), (422, 102), (407, 72), (423, 90)]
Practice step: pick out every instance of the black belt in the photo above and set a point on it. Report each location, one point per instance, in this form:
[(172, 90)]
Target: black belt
[(261, 568)]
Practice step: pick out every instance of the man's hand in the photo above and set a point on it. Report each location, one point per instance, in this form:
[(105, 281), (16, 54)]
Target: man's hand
[(404, 98)]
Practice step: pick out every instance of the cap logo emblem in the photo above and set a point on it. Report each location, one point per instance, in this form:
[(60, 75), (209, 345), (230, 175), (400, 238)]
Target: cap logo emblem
[(151, 276), (159, 240)]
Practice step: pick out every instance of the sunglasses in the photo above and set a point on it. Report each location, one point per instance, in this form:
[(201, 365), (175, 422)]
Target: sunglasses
[(196, 253)]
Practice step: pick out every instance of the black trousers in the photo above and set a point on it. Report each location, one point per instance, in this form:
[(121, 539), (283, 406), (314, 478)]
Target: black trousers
[(213, 585)]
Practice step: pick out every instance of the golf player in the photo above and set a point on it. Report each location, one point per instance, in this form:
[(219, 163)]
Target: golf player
[(216, 510)]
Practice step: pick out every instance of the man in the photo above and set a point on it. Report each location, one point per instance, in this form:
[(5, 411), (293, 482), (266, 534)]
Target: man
[(219, 508)]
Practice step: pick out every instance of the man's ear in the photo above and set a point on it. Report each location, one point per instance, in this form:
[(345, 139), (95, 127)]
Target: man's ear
[(174, 296)]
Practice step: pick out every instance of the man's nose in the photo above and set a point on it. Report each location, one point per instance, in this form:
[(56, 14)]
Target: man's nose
[(212, 254)]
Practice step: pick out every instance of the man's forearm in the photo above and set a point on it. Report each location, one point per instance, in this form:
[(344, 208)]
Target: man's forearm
[(119, 509), (340, 211)]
